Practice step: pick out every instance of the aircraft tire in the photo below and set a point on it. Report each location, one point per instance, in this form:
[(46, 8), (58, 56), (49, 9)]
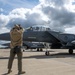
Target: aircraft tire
[(70, 51), (37, 49), (41, 49), (47, 53)]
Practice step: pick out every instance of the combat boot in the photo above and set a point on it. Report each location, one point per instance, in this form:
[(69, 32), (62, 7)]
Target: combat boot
[(22, 72), (9, 71)]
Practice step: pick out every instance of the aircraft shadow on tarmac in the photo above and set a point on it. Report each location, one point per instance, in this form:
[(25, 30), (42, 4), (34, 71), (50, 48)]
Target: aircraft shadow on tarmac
[(56, 55)]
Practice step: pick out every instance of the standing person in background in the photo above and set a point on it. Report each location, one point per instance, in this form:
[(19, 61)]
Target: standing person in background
[(16, 35)]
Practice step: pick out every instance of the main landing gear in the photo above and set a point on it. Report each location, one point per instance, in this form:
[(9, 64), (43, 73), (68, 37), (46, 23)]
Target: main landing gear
[(39, 49), (70, 51), (47, 53)]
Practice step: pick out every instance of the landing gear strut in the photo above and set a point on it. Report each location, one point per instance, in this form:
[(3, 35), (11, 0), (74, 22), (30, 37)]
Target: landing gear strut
[(70, 51), (37, 49), (47, 53), (41, 49)]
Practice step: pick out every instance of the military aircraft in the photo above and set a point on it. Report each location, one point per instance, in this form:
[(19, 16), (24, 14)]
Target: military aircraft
[(41, 33)]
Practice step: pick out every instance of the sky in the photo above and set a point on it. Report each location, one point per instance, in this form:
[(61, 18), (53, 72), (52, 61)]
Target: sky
[(57, 14)]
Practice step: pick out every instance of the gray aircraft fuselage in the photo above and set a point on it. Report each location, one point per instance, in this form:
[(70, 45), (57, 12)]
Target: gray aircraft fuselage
[(42, 36), (36, 36), (39, 36)]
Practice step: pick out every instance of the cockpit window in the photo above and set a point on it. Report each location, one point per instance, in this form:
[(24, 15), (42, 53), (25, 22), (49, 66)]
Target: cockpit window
[(47, 29), (39, 28)]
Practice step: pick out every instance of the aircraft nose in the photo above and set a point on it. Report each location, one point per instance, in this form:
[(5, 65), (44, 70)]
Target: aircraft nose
[(5, 36)]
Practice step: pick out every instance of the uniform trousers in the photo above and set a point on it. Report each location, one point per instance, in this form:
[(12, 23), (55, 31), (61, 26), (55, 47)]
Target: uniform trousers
[(11, 58)]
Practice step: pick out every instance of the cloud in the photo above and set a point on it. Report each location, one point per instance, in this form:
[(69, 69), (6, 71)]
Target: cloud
[(70, 30), (26, 17), (53, 2), (1, 10), (56, 13), (3, 20), (60, 16), (4, 30)]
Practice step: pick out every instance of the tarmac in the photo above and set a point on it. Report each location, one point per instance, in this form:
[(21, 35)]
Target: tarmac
[(59, 62)]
